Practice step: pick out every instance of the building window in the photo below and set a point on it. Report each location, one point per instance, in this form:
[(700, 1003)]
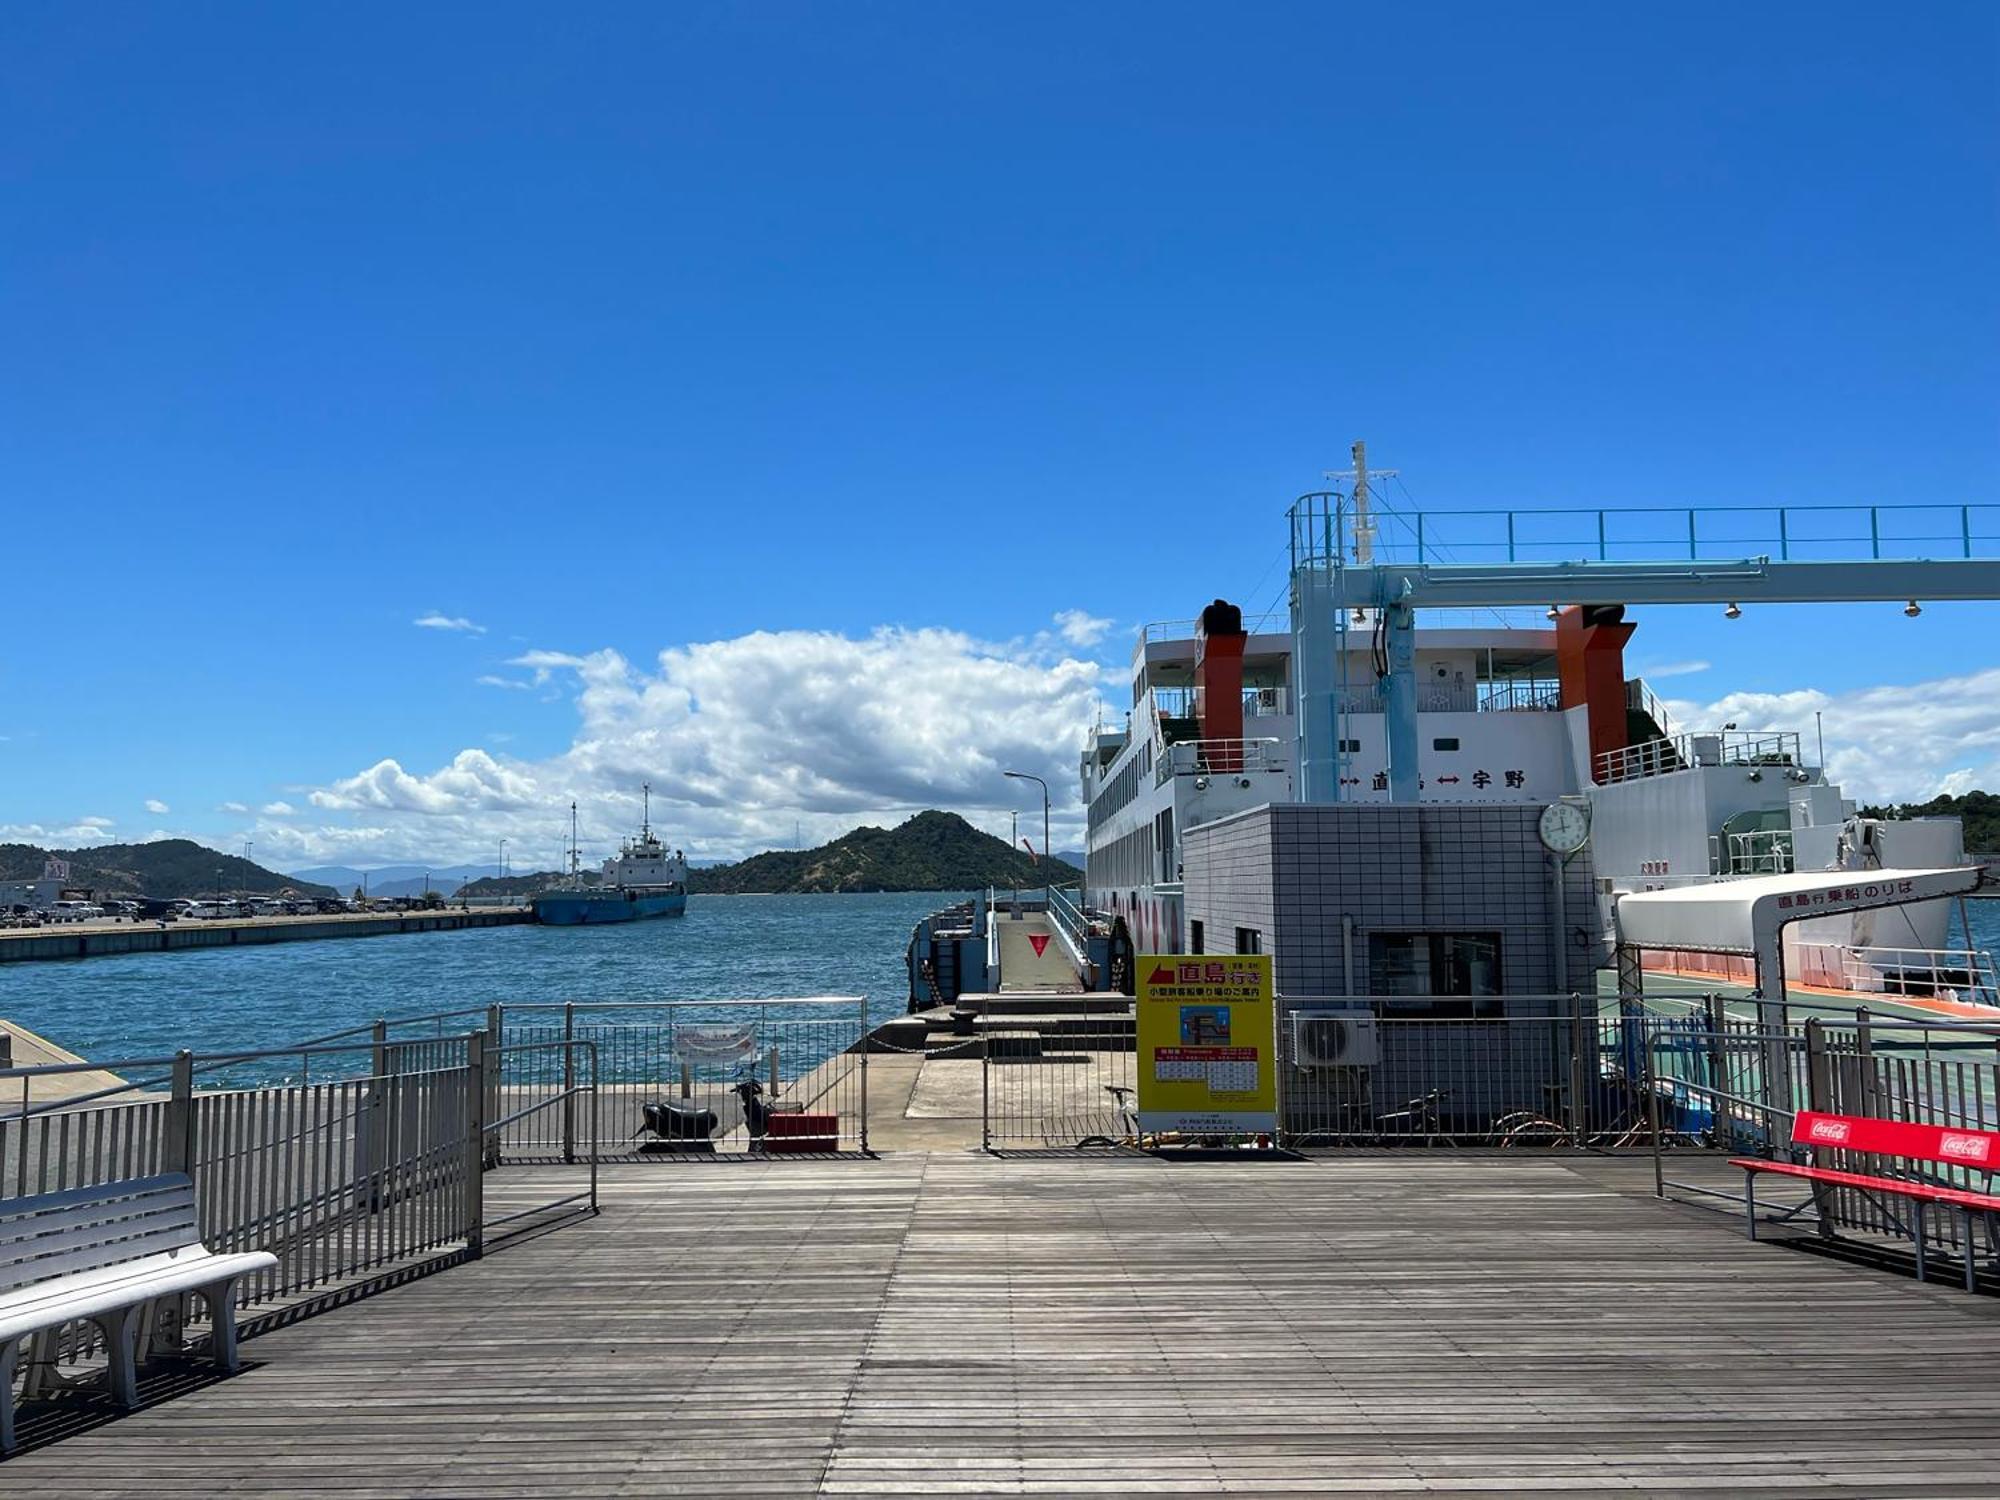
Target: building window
[(1195, 937), (1446, 742), (1249, 940), (1350, 747), (1446, 974)]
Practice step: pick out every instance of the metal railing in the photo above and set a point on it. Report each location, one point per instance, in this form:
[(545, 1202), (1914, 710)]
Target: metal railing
[(1072, 928), (1639, 695), (1966, 975), (1245, 757), (1323, 533), (1941, 1072), (1761, 851), (338, 1178), (1050, 1085), (1275, 622), (1701, 748), (1257, 702), (807, 1055), (1519, 695)]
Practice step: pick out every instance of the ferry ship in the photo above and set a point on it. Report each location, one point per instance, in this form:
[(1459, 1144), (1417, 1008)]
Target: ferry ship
[(644, 880), (1506, 715), (1471, 721)]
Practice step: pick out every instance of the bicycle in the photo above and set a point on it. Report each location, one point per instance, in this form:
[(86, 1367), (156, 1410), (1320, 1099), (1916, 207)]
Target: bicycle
[(1422, 1116), (1133, 1139)]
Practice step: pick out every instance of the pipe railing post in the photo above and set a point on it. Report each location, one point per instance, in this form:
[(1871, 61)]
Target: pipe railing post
[(569, 1080), (1582, 1045), (475, 1144), (1653, 1111), (864, 1073), (490, 1081)]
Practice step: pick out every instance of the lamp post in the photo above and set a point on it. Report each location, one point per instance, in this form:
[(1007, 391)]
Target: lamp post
[(500, 869), (1047, 880)]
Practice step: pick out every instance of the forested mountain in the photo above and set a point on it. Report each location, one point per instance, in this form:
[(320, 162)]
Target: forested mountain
[(164, 869)]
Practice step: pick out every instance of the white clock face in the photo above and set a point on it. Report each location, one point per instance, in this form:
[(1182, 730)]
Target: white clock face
[(1565, 827)]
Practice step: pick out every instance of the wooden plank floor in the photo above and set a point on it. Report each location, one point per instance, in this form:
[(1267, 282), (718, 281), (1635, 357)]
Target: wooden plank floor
[(949, 1323)]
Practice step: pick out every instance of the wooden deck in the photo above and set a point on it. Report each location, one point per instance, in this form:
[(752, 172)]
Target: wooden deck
[(947, 1323)]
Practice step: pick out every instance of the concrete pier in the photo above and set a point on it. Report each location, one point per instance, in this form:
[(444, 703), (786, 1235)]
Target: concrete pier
[(94, 939)]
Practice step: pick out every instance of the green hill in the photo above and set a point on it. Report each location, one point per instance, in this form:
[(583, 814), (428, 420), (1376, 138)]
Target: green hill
[(163, 870), (1980, 812), (934, 851)]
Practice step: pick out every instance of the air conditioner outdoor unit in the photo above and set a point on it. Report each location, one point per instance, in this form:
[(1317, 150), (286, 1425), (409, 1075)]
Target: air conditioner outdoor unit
[(1334, 1039), (1267, 700)]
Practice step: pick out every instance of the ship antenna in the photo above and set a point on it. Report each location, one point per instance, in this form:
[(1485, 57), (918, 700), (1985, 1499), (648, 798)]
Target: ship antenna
[(646, 814)]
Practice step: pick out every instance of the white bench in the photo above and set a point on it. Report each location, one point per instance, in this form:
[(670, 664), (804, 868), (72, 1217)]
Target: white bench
[(105, 1255)]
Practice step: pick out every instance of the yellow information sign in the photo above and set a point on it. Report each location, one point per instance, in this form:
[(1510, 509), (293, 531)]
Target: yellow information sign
[(1207, 1043)]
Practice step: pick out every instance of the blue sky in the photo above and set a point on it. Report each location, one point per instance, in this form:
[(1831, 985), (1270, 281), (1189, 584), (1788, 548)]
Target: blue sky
[(652, 326)]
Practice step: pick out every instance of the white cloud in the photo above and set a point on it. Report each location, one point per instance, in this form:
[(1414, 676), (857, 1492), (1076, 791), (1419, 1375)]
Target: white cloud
[(232, 807), (516, 683), (740, 739), (1906, 742), (155, 805), (436, 621), (1080, 629), (277, 809), (1673, 669), (76, 831)]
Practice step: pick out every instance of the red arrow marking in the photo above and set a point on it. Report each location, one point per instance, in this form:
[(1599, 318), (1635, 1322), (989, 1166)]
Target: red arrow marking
[(1038, 941), (1161, 975)]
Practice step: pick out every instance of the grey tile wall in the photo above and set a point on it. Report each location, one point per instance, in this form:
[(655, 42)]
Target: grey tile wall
[(1293, 870)]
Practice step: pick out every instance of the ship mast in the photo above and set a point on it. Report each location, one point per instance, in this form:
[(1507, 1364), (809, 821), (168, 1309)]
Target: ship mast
[(646, 813)]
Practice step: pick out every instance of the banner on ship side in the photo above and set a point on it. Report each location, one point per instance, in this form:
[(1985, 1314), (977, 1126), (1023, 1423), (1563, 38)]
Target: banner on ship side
[(1207, 1043)]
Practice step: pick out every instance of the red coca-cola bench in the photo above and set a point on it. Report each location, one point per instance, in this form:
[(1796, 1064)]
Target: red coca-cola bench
[(1977, 1151)]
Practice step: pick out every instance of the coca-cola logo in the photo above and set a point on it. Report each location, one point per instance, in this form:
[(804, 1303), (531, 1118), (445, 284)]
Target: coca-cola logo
[(1965, 1147), (1832, 1131)]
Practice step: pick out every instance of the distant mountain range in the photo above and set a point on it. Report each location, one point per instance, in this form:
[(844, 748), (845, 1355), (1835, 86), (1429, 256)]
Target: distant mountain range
[(394, 880), (164, 870), (933, 851)]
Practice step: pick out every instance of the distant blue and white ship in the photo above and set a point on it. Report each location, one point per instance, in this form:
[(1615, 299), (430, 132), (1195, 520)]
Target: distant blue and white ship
[(643, 881)]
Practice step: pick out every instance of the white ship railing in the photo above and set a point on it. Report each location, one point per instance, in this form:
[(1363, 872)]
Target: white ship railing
[(1639, 694), (1277, 622), (1967, 975), (1762, 851), (1520, 695), (1258, 702), (1219, 758), (1702, 748)]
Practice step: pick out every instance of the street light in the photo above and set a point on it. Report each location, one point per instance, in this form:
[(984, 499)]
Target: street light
[(1047, 877), (500, 869)]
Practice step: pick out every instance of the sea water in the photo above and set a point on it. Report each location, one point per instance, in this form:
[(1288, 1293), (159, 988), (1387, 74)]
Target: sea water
[(212, 1000)]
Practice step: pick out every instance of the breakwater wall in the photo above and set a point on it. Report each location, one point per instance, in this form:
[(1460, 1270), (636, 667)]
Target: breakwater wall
[(95, 940)]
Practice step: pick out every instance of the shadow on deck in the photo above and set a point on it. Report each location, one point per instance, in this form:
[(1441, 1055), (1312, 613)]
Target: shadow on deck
[(949, 1321)]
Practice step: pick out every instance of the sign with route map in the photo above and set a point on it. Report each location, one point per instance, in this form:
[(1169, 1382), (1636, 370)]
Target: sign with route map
[(1207, 1043)]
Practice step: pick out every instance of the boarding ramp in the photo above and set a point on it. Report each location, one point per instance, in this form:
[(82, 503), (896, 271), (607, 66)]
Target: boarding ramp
[(1033, 955)]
